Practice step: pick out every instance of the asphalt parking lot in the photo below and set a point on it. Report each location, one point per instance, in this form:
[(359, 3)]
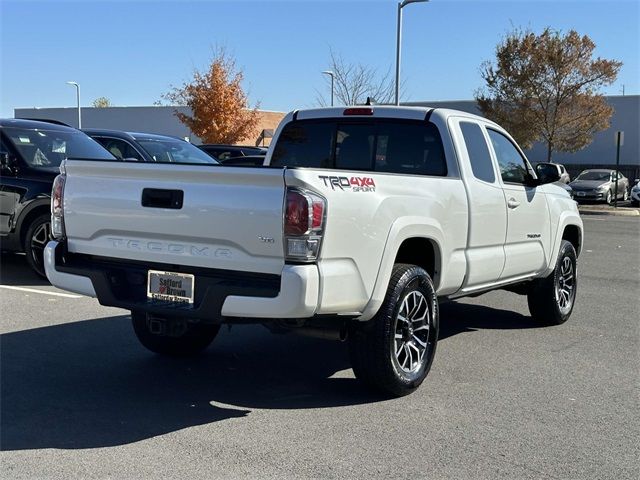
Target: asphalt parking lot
[(505, 398)]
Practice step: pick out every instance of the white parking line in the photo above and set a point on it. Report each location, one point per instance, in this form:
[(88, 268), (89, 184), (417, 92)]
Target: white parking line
[(44, 292)]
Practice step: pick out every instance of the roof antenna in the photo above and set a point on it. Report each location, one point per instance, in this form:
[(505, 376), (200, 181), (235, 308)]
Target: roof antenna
[(370, 101)]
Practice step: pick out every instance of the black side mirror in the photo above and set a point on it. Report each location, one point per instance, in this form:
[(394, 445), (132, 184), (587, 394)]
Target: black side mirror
[(547, 173), (7, 162)]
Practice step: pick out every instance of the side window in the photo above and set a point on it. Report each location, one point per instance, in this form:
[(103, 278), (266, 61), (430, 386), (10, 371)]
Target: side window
[(119, 148), (512, 165), (479, 156), (224, 155)]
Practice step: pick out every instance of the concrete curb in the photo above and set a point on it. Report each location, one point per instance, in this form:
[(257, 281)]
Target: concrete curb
[(613, 212)]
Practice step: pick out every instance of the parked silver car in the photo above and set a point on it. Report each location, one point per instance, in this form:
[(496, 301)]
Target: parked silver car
[(598, 185)]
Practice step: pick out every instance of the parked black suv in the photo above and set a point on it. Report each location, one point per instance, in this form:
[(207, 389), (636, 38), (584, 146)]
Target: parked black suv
[(148, 147), (30, 156)]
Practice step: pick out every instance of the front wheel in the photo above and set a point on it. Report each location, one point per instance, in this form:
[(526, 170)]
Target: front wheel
[(393, 351), (551, 300), (175, 338), (609, 198), (34, 242)]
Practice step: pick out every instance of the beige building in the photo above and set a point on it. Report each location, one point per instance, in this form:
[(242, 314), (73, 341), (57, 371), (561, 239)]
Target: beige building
[(268, 123), (159, 120)]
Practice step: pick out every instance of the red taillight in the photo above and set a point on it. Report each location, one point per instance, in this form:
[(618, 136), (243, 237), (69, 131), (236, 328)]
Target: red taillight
[(57, 196), (304, 213), (318, 214), (296, 218), (358, 111), (304, 219), (57, 207)]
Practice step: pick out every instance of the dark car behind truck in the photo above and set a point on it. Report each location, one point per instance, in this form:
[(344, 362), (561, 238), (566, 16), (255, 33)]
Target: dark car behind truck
[(30, 155)]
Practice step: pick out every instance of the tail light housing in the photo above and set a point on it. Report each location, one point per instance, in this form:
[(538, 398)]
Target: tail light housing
[(57, 207), (304, 222)]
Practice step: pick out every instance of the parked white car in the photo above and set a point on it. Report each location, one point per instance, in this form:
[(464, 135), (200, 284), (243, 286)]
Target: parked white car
[(562, 172), (635, 194), (361, 219)]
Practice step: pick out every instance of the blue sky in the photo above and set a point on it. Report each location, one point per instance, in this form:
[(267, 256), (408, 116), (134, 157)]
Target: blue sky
[(132, 52)]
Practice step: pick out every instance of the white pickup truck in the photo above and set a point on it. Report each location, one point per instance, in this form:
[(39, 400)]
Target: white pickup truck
[(360, 220)]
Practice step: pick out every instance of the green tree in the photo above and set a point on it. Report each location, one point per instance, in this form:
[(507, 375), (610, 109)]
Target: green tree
[(102, 102), (546, 88)]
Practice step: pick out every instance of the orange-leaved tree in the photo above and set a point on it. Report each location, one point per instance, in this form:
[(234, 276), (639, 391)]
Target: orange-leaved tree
[(220, 111), (546, 88)]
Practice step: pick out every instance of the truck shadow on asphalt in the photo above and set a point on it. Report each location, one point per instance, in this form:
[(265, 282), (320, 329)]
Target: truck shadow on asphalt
[(15, 271), (90, 384)]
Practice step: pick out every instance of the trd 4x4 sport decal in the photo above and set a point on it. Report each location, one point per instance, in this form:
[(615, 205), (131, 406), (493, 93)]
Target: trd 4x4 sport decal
[(355, 184)]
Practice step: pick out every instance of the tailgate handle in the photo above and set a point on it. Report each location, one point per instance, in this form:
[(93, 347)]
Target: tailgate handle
[(160, 198)]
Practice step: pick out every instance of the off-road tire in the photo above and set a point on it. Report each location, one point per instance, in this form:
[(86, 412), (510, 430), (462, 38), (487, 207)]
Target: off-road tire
[(196, 337), (373, 344), (544, 297)]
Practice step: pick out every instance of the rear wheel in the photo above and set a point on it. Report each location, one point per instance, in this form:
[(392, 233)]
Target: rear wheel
[(625, 195), (393, 351), (551, 300), (175, 337), (34, 242)]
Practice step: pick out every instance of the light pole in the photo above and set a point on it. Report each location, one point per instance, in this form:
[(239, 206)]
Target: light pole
[(401, 4), (329, 72), (75, 84)]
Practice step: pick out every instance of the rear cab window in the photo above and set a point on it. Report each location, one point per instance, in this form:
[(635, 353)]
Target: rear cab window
[(478, 151), (377, 145)]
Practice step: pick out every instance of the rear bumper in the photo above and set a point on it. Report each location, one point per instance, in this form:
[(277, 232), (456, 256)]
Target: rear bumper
[(218, 293)]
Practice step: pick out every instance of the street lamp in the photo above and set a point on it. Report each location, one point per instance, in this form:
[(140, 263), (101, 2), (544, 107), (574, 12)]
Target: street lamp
[(398, 43), (329, 72), (75, 84)]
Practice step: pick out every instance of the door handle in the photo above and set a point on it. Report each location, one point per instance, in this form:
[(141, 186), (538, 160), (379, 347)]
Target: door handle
[(513, 203)]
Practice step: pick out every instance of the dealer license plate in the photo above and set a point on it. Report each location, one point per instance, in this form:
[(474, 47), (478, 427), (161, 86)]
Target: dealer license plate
[(170, 286)]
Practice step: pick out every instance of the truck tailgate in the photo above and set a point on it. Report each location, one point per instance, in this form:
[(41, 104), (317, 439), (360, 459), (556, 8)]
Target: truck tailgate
[(204, 216)]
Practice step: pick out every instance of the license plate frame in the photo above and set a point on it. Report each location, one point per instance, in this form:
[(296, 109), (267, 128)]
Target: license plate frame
[(170, 287), (581, 194)]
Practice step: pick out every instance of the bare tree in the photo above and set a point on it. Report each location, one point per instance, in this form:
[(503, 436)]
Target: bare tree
[(355, 82)]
